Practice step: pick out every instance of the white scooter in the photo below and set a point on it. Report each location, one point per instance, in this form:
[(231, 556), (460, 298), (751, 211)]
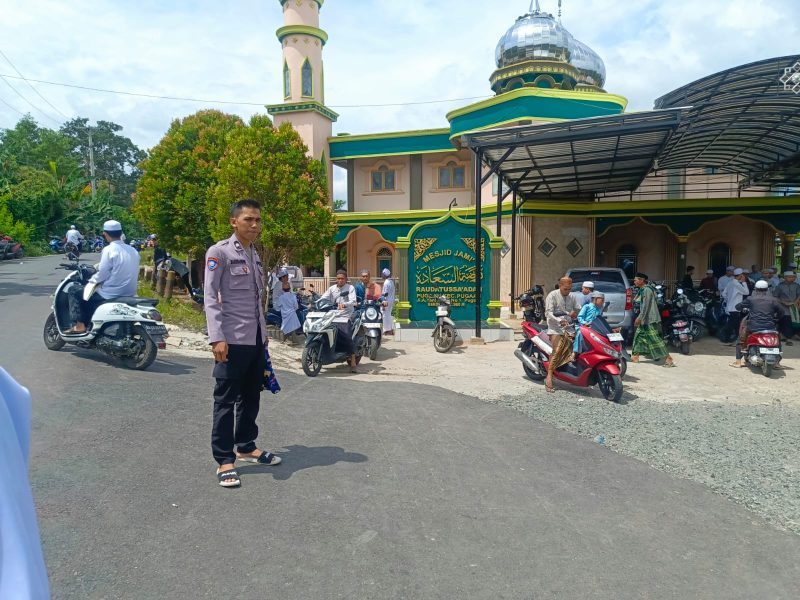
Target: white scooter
[(127, 328), (322, 332)]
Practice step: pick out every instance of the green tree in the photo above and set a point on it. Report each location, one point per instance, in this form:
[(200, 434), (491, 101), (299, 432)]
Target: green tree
[(19, 230), (271, 166), (116, 157), (178, 177)]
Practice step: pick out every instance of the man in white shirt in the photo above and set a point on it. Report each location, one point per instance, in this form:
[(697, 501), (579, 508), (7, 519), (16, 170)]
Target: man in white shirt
[(343, 296), (736, 291), (73, 236), (725, 279), (118, 273)]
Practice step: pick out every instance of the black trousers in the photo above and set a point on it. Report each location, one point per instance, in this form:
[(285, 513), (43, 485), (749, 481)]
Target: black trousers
[(80, 310), (785, 327), (237, 398)]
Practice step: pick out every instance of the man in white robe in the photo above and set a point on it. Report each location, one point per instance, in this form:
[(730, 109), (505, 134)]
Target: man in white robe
[(388, 302), (287, 305)]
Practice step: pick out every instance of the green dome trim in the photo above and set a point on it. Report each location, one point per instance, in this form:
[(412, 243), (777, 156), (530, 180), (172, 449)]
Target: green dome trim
[(535, 104), (288, 30)]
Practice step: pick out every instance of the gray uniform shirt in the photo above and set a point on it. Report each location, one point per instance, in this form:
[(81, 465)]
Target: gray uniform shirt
[(234, 287), (556, 302)]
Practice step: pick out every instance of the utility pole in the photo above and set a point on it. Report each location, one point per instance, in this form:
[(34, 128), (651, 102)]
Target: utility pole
[(91, 167)]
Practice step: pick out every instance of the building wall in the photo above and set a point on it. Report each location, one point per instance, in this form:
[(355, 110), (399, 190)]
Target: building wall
[(368, 201), (650, 242), (746, 237), (435, 198), (363, 246), (560, 231)]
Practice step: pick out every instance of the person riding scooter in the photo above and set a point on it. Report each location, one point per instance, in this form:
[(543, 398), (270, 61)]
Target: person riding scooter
[(343, 296), (118, 272), (588, 313), (764, 312)]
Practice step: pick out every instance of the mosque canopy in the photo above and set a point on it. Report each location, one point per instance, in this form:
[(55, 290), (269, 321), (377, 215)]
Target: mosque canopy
[(744, 120)]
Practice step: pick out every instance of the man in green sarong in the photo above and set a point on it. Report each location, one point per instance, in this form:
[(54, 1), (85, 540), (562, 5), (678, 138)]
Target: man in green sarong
[(647, 339)]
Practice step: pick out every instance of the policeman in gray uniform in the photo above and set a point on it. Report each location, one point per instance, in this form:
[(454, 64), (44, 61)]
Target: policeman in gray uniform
[(234, 287)]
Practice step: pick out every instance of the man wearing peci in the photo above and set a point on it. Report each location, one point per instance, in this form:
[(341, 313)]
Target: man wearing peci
[(234, 288)]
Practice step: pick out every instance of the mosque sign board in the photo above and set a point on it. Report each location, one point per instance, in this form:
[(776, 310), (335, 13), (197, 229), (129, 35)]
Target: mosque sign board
[(442, 262)]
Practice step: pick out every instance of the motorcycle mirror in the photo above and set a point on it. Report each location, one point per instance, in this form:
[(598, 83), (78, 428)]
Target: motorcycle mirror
[(680, 292)]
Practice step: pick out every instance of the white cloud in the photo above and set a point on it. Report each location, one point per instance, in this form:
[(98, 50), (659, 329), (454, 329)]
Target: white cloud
[(380, 51)]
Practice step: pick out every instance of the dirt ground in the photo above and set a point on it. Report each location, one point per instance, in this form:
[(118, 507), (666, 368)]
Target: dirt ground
[(491, 371)]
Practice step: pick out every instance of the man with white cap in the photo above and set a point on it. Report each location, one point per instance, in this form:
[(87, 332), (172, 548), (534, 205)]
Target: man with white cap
[(281, 277), (788, 294), (388, 302), (725, 279), (585, 296), (734, 293), (118, 274), (73, 236), (763, 312)]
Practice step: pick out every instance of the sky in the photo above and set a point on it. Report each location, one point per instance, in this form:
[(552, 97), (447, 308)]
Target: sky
[(437, 53)]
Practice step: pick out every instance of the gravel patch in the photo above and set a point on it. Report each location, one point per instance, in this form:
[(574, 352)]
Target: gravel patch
[(750, 454)]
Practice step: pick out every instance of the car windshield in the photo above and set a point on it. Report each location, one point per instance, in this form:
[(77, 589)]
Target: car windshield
[(608, 282)]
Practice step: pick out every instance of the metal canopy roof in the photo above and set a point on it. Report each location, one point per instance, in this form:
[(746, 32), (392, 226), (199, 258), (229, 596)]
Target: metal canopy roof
[(583, 156), (742, 120)]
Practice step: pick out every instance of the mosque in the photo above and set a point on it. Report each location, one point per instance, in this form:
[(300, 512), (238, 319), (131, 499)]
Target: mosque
[(555, 171)]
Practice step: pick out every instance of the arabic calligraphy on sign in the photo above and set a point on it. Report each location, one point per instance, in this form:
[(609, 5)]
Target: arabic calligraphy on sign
[(447, 274)]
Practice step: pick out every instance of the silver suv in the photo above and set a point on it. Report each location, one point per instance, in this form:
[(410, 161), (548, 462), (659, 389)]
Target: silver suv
[(618, 290)]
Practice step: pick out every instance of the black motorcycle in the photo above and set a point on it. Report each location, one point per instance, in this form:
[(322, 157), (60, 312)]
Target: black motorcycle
[(532, 304), (676, 325)]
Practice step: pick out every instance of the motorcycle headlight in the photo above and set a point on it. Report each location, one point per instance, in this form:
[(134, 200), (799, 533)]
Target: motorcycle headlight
[(611, 353), (371, 313), (698, 307)]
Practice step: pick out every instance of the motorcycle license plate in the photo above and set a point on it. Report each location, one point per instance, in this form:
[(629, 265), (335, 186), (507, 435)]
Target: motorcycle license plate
[(614, 337), (315, 315), (685, 331), (770, 350), (156, 329), (441, 313)]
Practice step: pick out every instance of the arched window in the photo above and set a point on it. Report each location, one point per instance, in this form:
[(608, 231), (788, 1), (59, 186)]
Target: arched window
[(384, 260), (307, 76), (287, 80), (628, 260), (719, 257), (451, 176), (383, 179)]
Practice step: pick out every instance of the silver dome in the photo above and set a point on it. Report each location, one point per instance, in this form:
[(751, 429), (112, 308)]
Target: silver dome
[(536, 35), (590, 66)]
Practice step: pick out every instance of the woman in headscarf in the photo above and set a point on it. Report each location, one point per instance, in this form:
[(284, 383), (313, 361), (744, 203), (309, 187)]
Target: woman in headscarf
[(647, 339), (388, 302)]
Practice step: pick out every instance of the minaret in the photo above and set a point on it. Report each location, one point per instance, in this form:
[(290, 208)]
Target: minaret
[(303, 79)]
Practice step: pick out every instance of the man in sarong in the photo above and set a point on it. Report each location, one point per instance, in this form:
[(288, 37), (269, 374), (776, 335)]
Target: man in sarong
[(788, 294), (647, 339), (560, 300)]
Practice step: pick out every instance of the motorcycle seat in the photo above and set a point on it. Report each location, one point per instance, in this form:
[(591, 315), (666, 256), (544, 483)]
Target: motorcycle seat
[(135, 300)]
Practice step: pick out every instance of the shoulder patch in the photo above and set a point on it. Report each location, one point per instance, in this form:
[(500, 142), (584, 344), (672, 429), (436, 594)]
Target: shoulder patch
[(212, 263)]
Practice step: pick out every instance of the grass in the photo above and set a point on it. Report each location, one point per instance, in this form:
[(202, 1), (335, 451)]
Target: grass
[(176, 311)]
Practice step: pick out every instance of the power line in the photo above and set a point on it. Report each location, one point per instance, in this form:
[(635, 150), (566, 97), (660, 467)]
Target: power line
[(50, 104), (243, 103), (12, 108), (18, 93)]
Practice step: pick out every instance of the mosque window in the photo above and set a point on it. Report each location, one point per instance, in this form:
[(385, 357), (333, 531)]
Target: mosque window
[(452, 175), (384, 259), (287, 80), (307, 80), (383, 180)]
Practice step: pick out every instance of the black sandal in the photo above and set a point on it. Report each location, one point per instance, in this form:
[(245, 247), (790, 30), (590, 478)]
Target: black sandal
[(266, 458), (229, 478)]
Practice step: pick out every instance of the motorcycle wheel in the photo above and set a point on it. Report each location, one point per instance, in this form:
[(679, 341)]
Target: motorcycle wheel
[(372, 349), (623, 367), (698, 330), (146, 354), (766, 369), (610, 386), (444, 338), (686, 347), (312, 364), (20, 253), (533, 375), (52, 339)]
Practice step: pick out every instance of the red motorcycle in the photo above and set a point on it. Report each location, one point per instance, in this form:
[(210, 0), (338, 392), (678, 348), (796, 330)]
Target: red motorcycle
[(598, 364), (9, 248), (763, 349)]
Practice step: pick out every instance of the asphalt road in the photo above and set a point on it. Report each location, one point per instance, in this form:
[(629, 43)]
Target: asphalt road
[(386, 491)]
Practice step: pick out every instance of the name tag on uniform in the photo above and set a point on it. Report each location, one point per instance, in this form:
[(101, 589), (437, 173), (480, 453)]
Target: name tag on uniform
[(237, 261)]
